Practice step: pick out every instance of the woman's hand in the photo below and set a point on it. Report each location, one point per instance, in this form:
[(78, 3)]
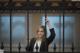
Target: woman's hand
[(48, 23)]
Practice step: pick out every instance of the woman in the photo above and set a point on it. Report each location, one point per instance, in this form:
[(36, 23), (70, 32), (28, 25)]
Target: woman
[(40, 42)]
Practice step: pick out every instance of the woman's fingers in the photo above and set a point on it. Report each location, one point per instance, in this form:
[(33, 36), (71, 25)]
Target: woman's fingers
[(48, 22)]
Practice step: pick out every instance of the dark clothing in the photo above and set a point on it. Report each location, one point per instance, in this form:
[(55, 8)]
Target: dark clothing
[(44, 43)]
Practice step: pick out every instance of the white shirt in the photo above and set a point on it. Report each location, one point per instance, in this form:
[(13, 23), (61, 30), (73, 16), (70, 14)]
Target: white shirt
[(39, 44), (1, 51)]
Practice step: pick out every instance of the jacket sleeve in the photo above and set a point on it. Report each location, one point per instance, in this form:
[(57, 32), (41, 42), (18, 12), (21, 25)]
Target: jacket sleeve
[(52, 36), (28, 48)]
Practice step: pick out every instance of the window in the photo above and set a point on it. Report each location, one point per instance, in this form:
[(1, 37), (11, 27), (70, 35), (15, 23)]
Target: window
[(19, 33), (57, 23)]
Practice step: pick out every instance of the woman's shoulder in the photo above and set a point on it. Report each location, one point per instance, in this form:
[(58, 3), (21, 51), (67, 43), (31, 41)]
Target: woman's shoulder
[(32, 39)]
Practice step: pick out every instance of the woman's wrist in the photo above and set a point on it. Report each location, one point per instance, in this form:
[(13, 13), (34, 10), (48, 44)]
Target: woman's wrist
[(50, 27)]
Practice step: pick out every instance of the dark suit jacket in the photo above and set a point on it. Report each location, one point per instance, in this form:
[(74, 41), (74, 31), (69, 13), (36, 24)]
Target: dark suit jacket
[(44, 44)]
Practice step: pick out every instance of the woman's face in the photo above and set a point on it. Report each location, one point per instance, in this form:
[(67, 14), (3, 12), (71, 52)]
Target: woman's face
[(40, 32)]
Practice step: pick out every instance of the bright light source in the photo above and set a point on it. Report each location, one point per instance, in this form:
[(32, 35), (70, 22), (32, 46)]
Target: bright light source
[(75, 0)]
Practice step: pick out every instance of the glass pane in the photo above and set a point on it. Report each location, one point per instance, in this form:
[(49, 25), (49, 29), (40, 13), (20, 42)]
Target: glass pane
[(19, 32), (5, 31), (69, 32)]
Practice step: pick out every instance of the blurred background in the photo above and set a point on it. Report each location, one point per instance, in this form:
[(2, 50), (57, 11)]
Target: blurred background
[(19, 20)]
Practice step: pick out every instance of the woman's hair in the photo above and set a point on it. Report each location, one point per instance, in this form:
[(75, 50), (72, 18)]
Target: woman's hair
[(44, 29)]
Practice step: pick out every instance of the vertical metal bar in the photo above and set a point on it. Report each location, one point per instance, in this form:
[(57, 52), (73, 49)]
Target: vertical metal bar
[(73, 26), (45, 20), (63, 23), (45, 23), (60, 32), (0, 25), (19, 47), (10, 31), (63, 32), (45, 17), (27, 9), (28, 27), (40, 17), (2, 46), (10, 10)]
